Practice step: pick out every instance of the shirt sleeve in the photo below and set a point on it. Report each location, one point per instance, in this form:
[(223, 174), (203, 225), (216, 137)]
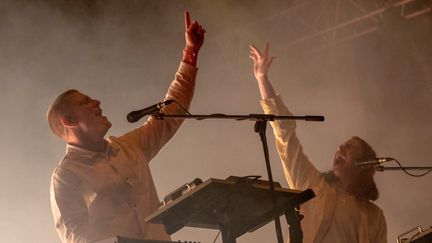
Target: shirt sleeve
[(69, 209), (299, 171), (154, 134)]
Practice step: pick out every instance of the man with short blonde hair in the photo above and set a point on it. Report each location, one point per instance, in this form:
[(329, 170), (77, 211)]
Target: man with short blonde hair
[(103, 187), (60, 107)]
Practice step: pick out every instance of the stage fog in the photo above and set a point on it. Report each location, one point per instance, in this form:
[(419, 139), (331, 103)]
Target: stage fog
[(368, 72)]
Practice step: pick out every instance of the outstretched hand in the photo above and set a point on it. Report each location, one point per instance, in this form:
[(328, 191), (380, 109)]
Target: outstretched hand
[(194, 34), (262, 61)]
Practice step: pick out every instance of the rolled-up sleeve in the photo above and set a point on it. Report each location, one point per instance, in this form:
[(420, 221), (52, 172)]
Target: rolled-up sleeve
[(154, 134)]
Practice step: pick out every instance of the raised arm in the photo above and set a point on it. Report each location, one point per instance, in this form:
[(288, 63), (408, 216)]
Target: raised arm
[(154, 134), (194, 37), (299, 171), (262, 63)]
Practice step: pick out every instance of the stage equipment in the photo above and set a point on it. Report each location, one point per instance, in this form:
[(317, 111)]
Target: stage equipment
[(405, 169), (134, 116), (120, 239), (128, 240), (235, 206), (374, 162), (180, 191), (416, 235), (260, 128)]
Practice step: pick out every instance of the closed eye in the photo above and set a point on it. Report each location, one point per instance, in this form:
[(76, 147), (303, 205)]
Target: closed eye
[(85, 100)]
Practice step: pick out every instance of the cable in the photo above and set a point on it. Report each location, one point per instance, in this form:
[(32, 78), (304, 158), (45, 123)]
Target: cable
[(184, 109), (413, 175), (216, 236)]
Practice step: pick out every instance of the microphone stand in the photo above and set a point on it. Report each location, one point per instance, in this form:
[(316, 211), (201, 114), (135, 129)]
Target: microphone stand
[(383, 168), (260, 128)]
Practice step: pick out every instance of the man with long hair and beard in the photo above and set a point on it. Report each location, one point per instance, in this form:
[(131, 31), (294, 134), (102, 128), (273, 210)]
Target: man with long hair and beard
[(342, 211)]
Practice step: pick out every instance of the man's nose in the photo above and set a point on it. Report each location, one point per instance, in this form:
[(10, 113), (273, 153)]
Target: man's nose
[(96, 102)]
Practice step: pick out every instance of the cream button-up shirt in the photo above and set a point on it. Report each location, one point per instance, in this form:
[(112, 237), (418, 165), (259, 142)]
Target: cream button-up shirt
[(98, 195), (330, 216)]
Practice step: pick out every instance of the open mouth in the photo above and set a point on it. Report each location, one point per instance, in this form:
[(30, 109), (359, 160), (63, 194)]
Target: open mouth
[(339, 158)]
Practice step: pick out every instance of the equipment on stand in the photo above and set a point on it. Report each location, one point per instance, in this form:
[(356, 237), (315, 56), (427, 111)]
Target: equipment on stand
[(235, 206), (416, 235), (120, 239), (261, 121), (128, 240)]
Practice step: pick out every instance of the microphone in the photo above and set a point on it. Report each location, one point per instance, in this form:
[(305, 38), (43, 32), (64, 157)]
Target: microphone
[(134, 116), (314, 118), (376, 161)]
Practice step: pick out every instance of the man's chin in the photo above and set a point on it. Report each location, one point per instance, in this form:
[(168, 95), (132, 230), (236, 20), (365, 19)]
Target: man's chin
[(107, 128), (107, 124)]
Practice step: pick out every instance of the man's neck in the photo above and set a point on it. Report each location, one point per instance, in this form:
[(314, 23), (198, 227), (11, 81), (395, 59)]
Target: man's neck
[(97, 146)]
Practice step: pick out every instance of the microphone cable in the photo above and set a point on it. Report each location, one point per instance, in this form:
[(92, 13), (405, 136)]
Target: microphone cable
[(404, 170)]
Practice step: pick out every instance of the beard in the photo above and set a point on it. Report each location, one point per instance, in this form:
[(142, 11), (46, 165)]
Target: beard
[(363, 187)]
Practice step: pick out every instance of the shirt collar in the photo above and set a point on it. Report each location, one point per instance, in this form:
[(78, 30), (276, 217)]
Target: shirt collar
[(76, 150)]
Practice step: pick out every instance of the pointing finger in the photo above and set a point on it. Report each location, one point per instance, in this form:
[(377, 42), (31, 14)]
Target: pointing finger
[(187, 19)]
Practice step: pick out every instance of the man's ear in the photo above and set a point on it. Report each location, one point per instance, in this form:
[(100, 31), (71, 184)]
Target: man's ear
[(68, 121)]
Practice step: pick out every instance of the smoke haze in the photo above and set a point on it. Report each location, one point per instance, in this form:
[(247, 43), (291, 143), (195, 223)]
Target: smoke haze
[(125, 53)]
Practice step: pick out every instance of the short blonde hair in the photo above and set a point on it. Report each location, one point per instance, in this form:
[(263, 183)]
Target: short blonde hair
[(59, 108)]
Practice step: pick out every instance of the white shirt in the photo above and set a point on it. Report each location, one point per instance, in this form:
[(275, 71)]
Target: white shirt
[(326, 217), (98, 195), (346, 220)]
